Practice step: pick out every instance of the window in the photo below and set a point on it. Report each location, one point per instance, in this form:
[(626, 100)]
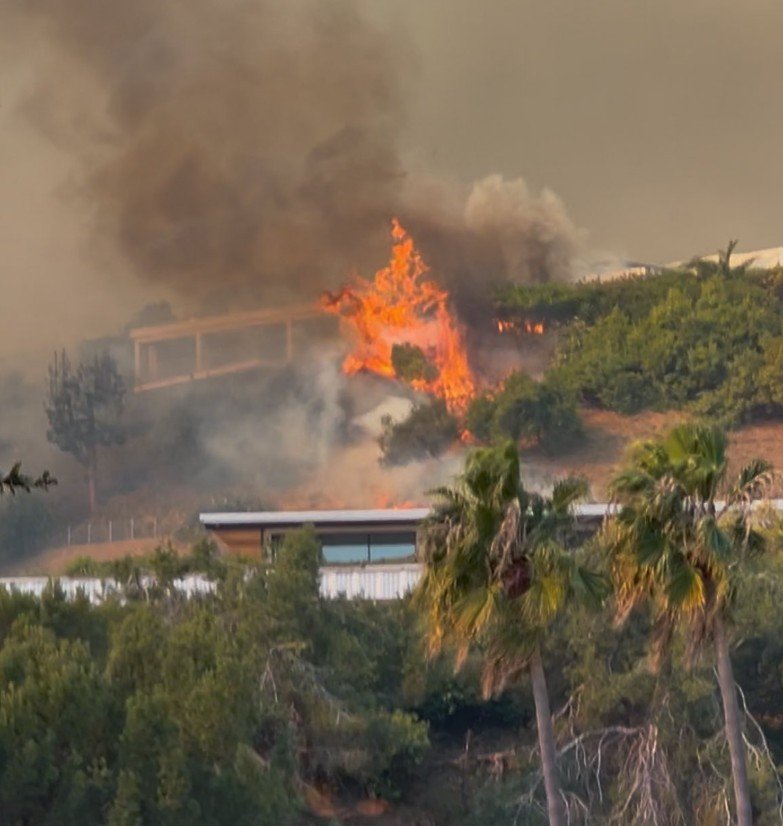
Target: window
[(392, 547), (344, 548)]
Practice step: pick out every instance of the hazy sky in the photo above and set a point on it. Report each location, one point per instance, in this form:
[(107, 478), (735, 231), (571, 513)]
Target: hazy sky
[(658, 123)]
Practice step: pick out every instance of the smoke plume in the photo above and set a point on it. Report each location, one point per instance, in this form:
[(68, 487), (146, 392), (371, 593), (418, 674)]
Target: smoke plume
[(230, 154), (248, 150)]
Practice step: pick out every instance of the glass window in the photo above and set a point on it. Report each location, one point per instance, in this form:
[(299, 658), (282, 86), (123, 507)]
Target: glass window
[(344, 548), (392, 547)]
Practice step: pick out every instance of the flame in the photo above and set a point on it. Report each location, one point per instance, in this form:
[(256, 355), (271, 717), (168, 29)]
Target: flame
[(387, 501), (401, 306), (516, 328)]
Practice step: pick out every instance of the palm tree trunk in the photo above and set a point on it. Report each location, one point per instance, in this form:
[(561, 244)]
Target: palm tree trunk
[(546, 741), (728, 690)]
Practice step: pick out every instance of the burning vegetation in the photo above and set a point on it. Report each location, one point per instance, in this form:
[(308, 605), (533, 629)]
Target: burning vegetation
[(402, 326), (518, 328)]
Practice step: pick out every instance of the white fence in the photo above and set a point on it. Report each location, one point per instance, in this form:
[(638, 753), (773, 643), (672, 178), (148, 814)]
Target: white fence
[(379, 582), (96, 589), (376, 582)]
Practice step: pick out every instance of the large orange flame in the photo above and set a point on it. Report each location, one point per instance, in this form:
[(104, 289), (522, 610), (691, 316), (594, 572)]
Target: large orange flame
[(401, 306)]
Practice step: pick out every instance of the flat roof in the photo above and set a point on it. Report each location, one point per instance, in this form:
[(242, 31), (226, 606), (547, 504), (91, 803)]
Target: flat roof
[(383, 516), (289, 519), (374, 516)]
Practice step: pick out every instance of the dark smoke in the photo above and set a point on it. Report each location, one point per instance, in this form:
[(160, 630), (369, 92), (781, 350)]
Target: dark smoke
[(250, 149), (250, 145), (238, 153)]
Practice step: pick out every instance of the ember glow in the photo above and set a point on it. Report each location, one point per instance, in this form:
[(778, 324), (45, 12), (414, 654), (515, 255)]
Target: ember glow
[(517, 328), (401, 306)]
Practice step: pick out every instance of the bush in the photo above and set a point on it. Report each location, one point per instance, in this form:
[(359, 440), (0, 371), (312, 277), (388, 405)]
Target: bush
[(537, 412), (427, 432), (410, 364), (691, 349)]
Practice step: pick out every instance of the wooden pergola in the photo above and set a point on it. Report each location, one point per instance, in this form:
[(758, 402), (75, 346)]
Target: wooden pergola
[(149, 373)]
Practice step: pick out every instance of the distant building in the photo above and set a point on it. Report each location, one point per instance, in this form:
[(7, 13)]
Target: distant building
[(369, 554), (348, 537)]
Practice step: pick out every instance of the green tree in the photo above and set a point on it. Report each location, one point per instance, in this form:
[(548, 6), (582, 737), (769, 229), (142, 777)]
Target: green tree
[(673, 544), (428, 430), (411, 364), (84, 407), (54, 710), (497, 574), (524, 409)]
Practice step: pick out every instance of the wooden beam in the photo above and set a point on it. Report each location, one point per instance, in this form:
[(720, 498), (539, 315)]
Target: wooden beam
[(224, 370), (199, 352), (289, 341), (231, 321), (152, 361)]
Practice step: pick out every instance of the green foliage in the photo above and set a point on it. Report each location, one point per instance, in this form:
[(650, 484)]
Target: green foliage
[(222, 709), (410, 364), (427, 432), (523, 409), (215, 710), (84, 566), (589, 301), (497, 572), (706, 337), (53, 708), (697, 345), (85, 405)]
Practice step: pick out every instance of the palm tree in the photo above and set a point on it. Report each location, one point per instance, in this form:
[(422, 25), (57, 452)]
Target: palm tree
[(672, 543), (497, 574)]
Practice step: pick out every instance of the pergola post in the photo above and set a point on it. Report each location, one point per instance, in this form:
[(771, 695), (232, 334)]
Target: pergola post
[(289, 341), (199, 353)]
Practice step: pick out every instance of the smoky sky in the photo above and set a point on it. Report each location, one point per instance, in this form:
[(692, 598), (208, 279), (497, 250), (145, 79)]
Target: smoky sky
[(222, 140), (239, 152), (658, 122), (249, 150)]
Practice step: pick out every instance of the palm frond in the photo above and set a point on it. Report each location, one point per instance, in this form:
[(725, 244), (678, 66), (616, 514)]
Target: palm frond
[(714, 545), (567, 492), (684, 589), (753, 482)]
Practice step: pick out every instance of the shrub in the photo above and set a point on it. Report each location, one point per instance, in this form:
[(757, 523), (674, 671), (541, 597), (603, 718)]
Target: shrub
[(693, 348), (537, 412), (427, 432), (410, 364)]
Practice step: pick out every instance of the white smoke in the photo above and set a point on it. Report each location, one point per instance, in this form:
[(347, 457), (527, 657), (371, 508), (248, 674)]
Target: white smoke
[(537, 238)]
